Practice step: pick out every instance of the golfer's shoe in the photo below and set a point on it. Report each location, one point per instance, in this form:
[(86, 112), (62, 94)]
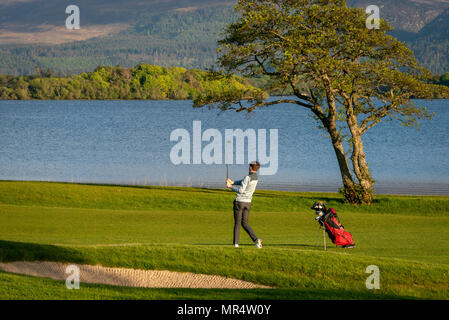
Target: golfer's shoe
[(236, 245), (350, 246), (258, 243)]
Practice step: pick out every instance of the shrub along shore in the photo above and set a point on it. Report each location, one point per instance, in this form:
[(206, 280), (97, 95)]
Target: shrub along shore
[(144, 81)]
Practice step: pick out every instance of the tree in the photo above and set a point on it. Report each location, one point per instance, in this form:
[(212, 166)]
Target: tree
[(444, 79), (348, 76)]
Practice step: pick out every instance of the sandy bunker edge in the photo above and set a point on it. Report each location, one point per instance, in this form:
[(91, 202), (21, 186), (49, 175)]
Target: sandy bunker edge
[(127, 277)]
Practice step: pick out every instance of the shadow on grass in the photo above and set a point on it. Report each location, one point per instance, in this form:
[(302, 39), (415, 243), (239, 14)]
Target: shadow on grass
[(144, 187), (293, 245), (19, 251), (280, 294), (271, 245)]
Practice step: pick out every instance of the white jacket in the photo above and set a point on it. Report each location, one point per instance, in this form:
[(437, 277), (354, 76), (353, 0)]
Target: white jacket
[(245, 188)]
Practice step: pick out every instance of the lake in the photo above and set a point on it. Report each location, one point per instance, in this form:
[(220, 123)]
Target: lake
[(128, 142)]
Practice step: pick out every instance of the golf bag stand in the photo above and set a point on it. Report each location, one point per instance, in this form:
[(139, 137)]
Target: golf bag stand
[(328, 219), (324, 234)]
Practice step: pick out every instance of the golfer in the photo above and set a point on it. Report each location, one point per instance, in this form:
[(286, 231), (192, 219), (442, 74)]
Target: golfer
[(242, 203)]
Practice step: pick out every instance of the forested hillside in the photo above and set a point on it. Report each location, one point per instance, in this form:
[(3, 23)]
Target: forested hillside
[(172, 33), (184, 38), (431, 44)]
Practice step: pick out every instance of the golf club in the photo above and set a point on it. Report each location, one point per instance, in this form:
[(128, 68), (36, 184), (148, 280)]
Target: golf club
[(226, 159)]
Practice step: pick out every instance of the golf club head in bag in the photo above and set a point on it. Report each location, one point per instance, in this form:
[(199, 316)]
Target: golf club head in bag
[(320, 209)]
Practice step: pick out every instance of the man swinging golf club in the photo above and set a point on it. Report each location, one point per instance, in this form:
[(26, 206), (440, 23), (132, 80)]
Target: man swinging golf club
[(242, 203)]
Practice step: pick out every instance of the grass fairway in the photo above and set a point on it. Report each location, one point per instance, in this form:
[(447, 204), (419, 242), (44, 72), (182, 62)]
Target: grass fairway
[(184, 229)]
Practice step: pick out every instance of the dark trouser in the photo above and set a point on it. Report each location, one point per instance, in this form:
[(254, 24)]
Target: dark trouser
[(241, 215)]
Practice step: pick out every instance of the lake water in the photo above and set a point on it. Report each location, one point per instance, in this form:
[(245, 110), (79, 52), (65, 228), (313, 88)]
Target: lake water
[(128, 142)]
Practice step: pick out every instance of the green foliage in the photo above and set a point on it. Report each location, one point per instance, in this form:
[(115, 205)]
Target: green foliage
[(356, 194), (443, 79), (144, 81), (442, 85)]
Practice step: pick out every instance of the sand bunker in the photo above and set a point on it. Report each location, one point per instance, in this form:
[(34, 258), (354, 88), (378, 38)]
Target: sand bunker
[(127, 277)]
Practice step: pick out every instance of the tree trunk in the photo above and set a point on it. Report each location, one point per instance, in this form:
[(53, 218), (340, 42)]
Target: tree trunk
[(350, 188), (337, 143), (359, 163)]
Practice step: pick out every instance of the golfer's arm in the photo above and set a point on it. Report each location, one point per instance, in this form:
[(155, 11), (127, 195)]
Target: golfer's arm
[(240, 186), (238, 183)]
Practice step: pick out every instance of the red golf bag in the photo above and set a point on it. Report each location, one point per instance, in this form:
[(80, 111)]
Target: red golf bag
[(335, 230)]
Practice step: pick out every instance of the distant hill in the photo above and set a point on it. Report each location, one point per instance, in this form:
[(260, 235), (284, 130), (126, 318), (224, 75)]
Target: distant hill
[(422, 24), (431, 44), (407, 16), (167, 33), (170, 33)]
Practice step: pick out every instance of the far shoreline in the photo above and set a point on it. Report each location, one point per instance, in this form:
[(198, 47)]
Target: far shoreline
[(190, 100), (216, 187)]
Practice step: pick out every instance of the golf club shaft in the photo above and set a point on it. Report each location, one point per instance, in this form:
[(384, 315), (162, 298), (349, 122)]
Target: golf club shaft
[(324, 236), (226, 159)]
